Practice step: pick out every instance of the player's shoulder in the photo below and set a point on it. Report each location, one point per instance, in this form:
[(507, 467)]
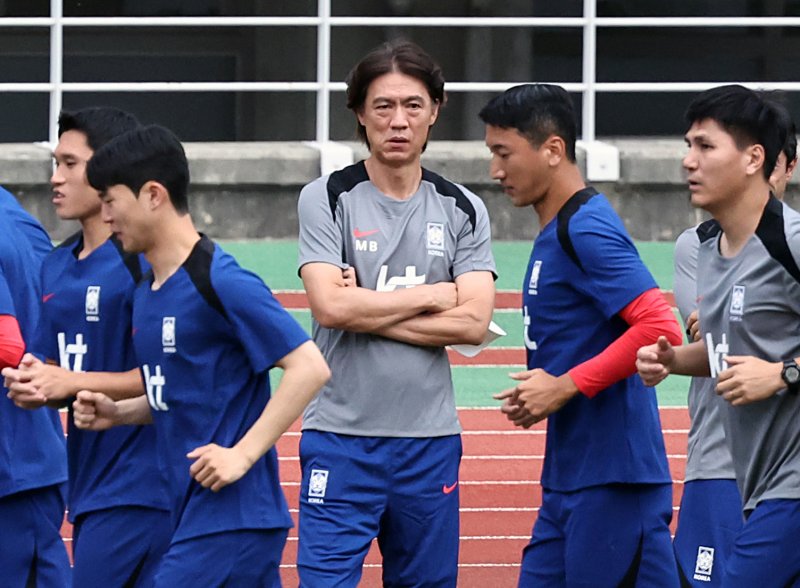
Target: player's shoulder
[(461, 198)]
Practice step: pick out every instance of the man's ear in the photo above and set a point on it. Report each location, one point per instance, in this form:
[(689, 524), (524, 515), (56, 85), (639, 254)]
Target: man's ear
[(555, 149), (755, 159), (155, 193)]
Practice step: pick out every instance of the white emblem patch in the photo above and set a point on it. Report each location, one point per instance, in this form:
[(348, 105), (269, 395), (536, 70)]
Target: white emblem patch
[(93, 304), (317, 485), (436, 239), (704, 564), (737, 303), (533, 283), (168, 334)]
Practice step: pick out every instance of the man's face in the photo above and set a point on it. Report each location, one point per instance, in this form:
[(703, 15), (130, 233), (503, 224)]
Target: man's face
[(781, 175), (717, 170), (73, 197), (521, 168), (126, 215), (397, 115)]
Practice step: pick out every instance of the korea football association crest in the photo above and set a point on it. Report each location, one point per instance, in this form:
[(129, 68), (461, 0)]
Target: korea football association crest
[(168, 334), (93, 304), (317, 486), (704, 564), (533, 283), (435, 239), (737, 303)]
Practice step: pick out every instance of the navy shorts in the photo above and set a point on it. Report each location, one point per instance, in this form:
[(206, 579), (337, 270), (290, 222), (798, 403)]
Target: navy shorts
[(404, 491), (234, 559), (602, 537), (765, 552), (709, 521), (119, 546), (31, 548)]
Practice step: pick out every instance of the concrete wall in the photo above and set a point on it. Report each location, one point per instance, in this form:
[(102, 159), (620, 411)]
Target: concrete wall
[(249, 190)]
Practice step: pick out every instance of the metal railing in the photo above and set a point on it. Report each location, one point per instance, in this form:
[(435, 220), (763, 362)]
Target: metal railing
[(589, 87)]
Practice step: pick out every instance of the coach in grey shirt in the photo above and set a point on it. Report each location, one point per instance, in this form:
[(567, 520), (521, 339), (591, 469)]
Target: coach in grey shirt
[(397, 264)]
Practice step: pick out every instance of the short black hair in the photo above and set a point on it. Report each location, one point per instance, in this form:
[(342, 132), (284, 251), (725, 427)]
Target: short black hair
[(100, 124), (151, 153), (401, 56), (537, 111), (747, 116)]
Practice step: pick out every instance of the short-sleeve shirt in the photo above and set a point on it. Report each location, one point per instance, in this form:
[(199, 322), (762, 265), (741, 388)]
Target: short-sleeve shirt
[(750, 305), (583, 270), (32, 448), (708, 454), (205, 341), (86, 327), (381, 387)]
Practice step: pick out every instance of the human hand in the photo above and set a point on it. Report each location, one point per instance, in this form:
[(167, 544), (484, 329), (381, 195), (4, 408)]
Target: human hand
[(749, 379), (693, 326), (653, 361), (94, 411), (216, 467)]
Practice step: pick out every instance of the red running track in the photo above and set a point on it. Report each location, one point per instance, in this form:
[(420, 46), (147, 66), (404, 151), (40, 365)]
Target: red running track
[(500, 494)]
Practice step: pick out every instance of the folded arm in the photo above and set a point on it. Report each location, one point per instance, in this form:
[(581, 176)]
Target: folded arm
[(336, 305), (465, 323)]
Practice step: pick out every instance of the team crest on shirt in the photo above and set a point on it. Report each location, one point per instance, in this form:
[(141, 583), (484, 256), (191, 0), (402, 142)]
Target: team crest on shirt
[(737, 303), (435, 239), (93, 304), (704, 564), (168, 334), (533, 283), (317, 486)]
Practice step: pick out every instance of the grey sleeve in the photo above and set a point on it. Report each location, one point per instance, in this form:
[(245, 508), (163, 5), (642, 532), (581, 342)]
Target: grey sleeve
[(320, 237), (474, 248), (685, 281)]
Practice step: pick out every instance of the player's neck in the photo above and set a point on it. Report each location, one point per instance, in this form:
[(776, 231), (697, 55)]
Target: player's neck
[(95, 233), (171, 246), (400, 182), (564, 183), (739, 219)]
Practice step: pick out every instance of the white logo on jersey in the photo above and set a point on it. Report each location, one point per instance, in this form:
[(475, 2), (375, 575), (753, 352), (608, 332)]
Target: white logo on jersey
[(154, 384), (737, 303), (365, 245), (533, 283), (526, 322), (168, 334), (317, 485), (436, 239), (93, 303), (75, 350), (716, 354), (704, 564), (409, 280)]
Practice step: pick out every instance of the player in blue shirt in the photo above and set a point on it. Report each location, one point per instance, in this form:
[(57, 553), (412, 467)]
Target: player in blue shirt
[(117, 496), (588, 301), (206, 333), (33, 468)]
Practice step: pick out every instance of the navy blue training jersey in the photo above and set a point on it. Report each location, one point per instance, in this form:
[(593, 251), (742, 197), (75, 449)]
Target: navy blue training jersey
[(205, 341), (29, 226), (570, 306), (32, 452), (86, 327)]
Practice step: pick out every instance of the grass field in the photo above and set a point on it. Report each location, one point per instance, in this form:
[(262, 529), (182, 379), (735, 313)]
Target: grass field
[(276, 262)]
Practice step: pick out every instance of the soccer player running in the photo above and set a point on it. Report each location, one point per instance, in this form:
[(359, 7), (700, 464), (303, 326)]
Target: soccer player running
[(711, 506), (33, 461), (748, 283), (206, 333), (588, 304), (381, 444), (117, 496)]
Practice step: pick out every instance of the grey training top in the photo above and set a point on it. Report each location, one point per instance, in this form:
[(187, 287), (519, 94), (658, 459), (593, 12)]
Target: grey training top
[(750, 305), (708, 454), (381, 387)]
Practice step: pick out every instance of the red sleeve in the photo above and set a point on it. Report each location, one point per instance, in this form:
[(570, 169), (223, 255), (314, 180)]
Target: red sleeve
[(12, 347), (649, 317)]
